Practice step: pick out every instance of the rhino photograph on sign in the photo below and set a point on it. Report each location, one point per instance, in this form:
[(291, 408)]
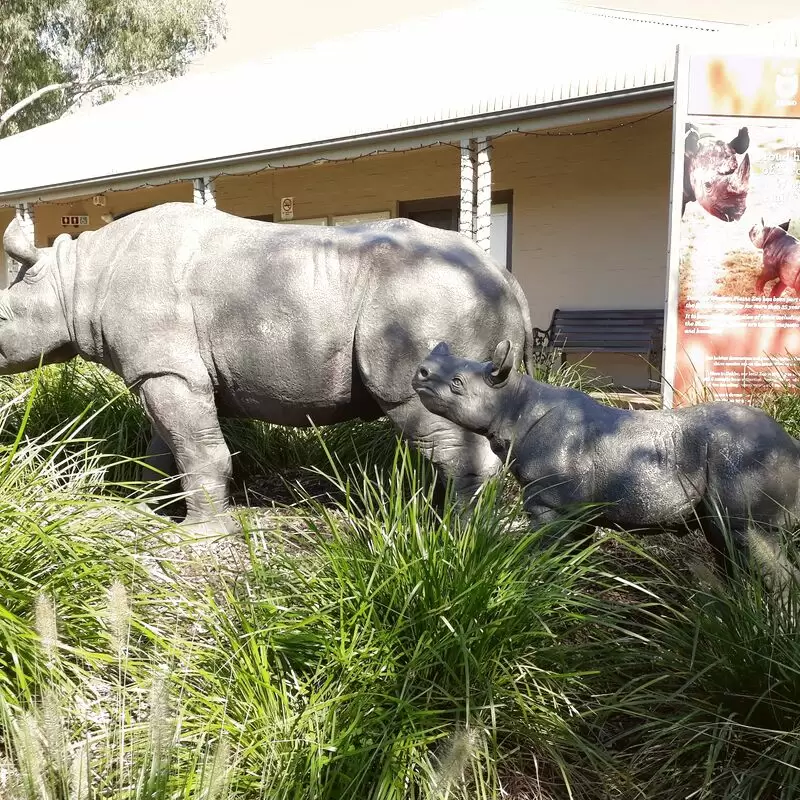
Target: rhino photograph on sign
[(733, 309)]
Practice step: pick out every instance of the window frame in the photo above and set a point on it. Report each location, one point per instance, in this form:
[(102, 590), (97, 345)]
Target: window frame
[(452, 203)]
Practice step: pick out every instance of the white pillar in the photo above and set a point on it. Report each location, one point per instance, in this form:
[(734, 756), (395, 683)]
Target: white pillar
[(466, 206), (204, 191), (483, 194), (210, 191)]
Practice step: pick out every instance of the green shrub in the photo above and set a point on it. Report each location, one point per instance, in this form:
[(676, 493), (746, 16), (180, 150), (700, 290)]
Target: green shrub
[(393, 651), (712, 705), (380, 644)]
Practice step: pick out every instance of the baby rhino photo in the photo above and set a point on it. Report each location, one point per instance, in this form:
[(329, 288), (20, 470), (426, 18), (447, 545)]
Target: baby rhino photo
[(676, 470), (780, 255)]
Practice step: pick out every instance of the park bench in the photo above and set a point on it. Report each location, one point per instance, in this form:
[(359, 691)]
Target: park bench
[(602, 331)]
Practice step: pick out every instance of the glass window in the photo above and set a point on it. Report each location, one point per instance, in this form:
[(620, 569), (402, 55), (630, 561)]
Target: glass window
[(355, 219), (310, 221), (498, 239)]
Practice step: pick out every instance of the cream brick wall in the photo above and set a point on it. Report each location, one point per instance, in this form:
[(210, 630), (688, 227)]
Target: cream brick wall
[(47, 216), (591, 223), (377, 183), (590, 216)]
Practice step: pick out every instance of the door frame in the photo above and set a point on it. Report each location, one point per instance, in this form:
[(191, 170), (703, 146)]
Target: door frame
[(452, 202)]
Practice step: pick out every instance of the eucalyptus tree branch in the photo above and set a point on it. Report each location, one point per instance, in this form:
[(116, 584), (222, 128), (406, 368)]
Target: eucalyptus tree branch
[(79, 89), (31, 98)]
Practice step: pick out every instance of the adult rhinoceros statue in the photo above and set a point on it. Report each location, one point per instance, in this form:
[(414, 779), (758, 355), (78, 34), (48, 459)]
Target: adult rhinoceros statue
[(203, 313)]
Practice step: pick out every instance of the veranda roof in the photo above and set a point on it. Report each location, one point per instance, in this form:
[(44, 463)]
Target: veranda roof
[(493, 57)]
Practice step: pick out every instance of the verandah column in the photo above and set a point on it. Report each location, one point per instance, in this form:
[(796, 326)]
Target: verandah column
[(483, 194), (24, 213), (475, 208), (466, 209), (204, 191)]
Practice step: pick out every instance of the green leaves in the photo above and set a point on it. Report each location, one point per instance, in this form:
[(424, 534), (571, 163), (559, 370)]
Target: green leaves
[(714, 701), (85, 48)]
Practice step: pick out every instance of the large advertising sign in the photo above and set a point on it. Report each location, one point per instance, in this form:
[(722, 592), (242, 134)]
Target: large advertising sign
[(733, 295)]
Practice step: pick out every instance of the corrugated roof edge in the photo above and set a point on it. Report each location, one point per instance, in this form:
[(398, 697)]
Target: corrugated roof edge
[(659, 19), (656, 83), (479, 124)]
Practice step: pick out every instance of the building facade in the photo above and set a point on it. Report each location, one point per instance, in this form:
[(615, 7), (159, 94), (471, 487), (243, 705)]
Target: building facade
[(564, 178)]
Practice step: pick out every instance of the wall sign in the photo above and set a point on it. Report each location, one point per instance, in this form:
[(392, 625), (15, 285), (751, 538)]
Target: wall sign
[(75, 221), (733, 291)]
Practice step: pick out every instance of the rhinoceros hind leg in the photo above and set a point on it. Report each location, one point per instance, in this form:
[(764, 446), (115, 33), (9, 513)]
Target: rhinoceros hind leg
[(756, 547), (185, 418), (553, 525), (732, 549)]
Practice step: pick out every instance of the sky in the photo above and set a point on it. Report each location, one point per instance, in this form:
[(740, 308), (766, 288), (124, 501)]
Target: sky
[(258, 28)]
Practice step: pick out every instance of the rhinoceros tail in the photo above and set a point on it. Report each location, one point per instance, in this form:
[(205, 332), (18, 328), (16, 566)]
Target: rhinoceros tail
[(522, 302)]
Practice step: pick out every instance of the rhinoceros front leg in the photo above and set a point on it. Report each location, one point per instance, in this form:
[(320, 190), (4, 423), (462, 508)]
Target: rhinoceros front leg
[(185, 418), (460, 455), (553, 526)]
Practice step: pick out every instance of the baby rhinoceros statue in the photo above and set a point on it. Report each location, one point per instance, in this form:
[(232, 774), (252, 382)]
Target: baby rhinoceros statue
[(706, 466)]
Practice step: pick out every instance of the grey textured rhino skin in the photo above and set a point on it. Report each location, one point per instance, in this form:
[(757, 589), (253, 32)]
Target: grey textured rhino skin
[(203, 314), (713, 176), (703, 466)]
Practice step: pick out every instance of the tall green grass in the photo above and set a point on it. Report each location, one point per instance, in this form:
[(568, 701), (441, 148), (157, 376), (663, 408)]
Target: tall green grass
[(114, 420), (112, 733), (63, 542), (392, 651), (372, 644), (712, 705), (85, 709)]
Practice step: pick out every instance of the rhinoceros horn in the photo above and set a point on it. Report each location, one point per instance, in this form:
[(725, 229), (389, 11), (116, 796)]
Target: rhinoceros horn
[(17, 244), (19, 247)]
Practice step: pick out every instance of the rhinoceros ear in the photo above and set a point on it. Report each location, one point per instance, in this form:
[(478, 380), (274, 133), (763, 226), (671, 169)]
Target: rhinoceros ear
[(441, 349), (692, 140), (741, 142), (502, 363)]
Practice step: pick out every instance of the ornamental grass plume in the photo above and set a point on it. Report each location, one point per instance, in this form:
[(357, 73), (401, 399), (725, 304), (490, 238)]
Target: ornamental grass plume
[(118, 616), (46, 626)]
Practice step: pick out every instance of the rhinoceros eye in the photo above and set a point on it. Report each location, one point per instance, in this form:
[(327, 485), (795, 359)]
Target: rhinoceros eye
[(457, 383)]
